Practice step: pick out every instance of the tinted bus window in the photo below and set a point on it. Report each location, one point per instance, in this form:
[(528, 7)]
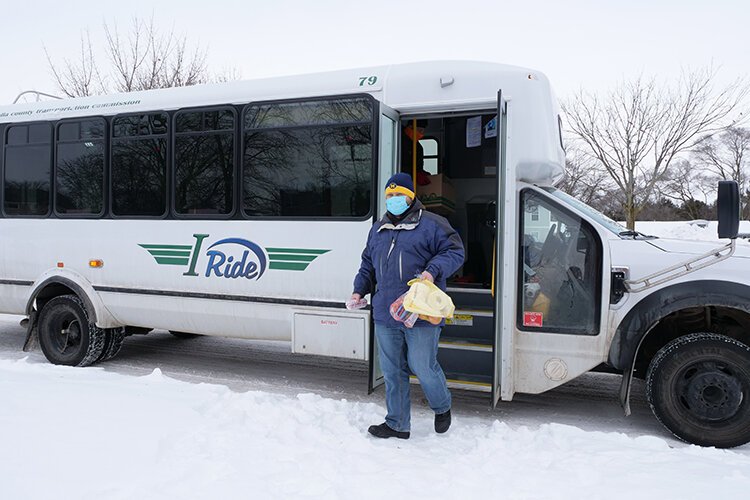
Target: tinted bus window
[(295, 114), (204, 162), (79, 168), (312, 160), (27, 172), (139, 165), (17, 136)]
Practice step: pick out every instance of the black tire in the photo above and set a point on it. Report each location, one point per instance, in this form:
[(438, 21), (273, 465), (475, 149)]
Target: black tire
[(698, 387), (112, 343), (184, 335), (66, 334)]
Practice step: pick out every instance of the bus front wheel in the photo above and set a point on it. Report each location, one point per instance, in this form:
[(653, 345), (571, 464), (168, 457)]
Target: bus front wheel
[(698, 387), (66, 335)]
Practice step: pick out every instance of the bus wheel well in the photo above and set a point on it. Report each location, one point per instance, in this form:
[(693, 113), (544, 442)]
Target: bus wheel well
[(48, 290), (54, 287), (724, 320)]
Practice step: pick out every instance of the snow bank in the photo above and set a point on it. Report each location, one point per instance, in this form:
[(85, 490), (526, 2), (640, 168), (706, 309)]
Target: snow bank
[(686, 230), (87, 433)]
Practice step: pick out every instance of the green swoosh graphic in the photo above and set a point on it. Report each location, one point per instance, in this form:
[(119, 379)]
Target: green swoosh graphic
[(292, 259), (172, 255)]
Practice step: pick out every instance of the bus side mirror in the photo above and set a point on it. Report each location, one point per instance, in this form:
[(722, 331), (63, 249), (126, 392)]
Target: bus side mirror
[(728, 209)]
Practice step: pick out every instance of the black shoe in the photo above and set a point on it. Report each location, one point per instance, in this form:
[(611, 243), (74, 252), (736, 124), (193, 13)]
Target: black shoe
[(442, 422), (383, 431)]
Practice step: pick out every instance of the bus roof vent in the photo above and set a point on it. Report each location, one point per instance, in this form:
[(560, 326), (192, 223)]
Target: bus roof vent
[(446, 81)]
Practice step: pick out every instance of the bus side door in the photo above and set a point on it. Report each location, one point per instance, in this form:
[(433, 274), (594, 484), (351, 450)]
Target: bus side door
[(388, 133), (562, 294)]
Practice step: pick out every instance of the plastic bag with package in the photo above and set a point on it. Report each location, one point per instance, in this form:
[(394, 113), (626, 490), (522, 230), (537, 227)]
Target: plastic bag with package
[(402, 315), (429, 301), (353, 304)]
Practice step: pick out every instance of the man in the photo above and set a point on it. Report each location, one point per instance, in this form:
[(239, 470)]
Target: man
[(407, 242)]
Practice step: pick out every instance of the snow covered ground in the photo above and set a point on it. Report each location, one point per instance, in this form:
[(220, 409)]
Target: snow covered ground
[(687, 230), (274, 425), (85, 433)]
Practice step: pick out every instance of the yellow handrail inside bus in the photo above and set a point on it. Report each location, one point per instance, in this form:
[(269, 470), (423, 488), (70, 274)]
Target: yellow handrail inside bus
[(494, 254), (414, 153)]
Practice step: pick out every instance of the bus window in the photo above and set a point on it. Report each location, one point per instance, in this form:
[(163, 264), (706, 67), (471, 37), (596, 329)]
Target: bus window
[(79, 168), (308, 159), (27, 172), (139, 165), (204, 162), (17, 136), (308, 113), (560, 269), (430, 148)]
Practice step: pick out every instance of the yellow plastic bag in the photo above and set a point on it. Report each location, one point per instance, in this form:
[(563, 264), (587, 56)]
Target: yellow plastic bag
[(426, 299)]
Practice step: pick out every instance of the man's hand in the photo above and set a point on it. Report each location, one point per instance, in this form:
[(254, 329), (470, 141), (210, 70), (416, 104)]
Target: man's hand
[(356, 302), (427, 276)]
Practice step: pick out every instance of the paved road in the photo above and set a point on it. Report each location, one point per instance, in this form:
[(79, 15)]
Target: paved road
[(589, 402)]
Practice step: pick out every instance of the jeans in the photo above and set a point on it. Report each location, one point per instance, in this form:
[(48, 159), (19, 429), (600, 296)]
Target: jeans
[(403, 349)]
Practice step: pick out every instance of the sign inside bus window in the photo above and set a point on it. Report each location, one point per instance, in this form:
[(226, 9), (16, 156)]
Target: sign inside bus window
[(368, 81), (533, 319), (231, 258)]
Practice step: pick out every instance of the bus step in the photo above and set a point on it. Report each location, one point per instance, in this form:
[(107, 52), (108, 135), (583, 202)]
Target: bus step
[(465, 343), (476, 364), (476, 324), (465, 382), (471, 297), (476, 312)]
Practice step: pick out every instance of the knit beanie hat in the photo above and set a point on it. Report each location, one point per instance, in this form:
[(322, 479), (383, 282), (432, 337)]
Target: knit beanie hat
[(400, 183)]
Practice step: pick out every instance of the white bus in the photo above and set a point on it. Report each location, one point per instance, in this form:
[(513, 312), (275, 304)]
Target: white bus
[(240, 209)]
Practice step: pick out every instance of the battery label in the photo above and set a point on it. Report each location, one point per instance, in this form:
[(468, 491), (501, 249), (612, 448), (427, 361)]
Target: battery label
[(460, 320)]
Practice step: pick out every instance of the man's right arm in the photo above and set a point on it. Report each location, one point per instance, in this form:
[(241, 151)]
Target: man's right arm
[(364, 281)]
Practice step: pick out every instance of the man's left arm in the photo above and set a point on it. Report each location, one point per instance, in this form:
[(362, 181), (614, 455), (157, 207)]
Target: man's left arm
[(449, 251)]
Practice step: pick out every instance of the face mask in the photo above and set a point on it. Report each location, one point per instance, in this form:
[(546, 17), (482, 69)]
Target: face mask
[(396, 204)]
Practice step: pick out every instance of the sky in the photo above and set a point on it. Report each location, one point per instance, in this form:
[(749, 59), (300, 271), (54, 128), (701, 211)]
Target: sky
[(578, 44)]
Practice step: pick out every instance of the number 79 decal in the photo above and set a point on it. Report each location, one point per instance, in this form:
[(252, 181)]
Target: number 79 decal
[(368, 81)]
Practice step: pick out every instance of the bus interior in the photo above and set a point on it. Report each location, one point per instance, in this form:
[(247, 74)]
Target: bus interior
[(456, 163), (456, 178)]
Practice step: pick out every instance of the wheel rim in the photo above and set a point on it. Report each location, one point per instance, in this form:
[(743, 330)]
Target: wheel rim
[(710, 390), (67, 334)]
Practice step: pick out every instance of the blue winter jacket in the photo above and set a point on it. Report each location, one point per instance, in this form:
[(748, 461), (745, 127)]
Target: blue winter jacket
[(395, 254)]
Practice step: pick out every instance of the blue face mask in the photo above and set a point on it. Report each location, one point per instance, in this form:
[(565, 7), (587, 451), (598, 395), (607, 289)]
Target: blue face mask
[(396, 204)]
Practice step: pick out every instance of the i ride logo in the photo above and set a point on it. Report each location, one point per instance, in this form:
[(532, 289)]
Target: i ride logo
[(232, 257), (224, 261)]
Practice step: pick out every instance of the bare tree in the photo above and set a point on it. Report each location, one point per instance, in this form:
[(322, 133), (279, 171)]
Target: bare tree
[(727, 156), (692, 187), (659, 208), (584, 178), (142, 58), (227, 75), (637, 130), (77, 78)]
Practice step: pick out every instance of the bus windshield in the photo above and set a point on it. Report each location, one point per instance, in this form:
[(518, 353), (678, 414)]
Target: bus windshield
[(594, 214)]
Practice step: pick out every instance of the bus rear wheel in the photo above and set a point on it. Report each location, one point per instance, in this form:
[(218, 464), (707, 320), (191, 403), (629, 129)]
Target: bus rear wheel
[(113, 338), (66, 335), (698, 387)]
